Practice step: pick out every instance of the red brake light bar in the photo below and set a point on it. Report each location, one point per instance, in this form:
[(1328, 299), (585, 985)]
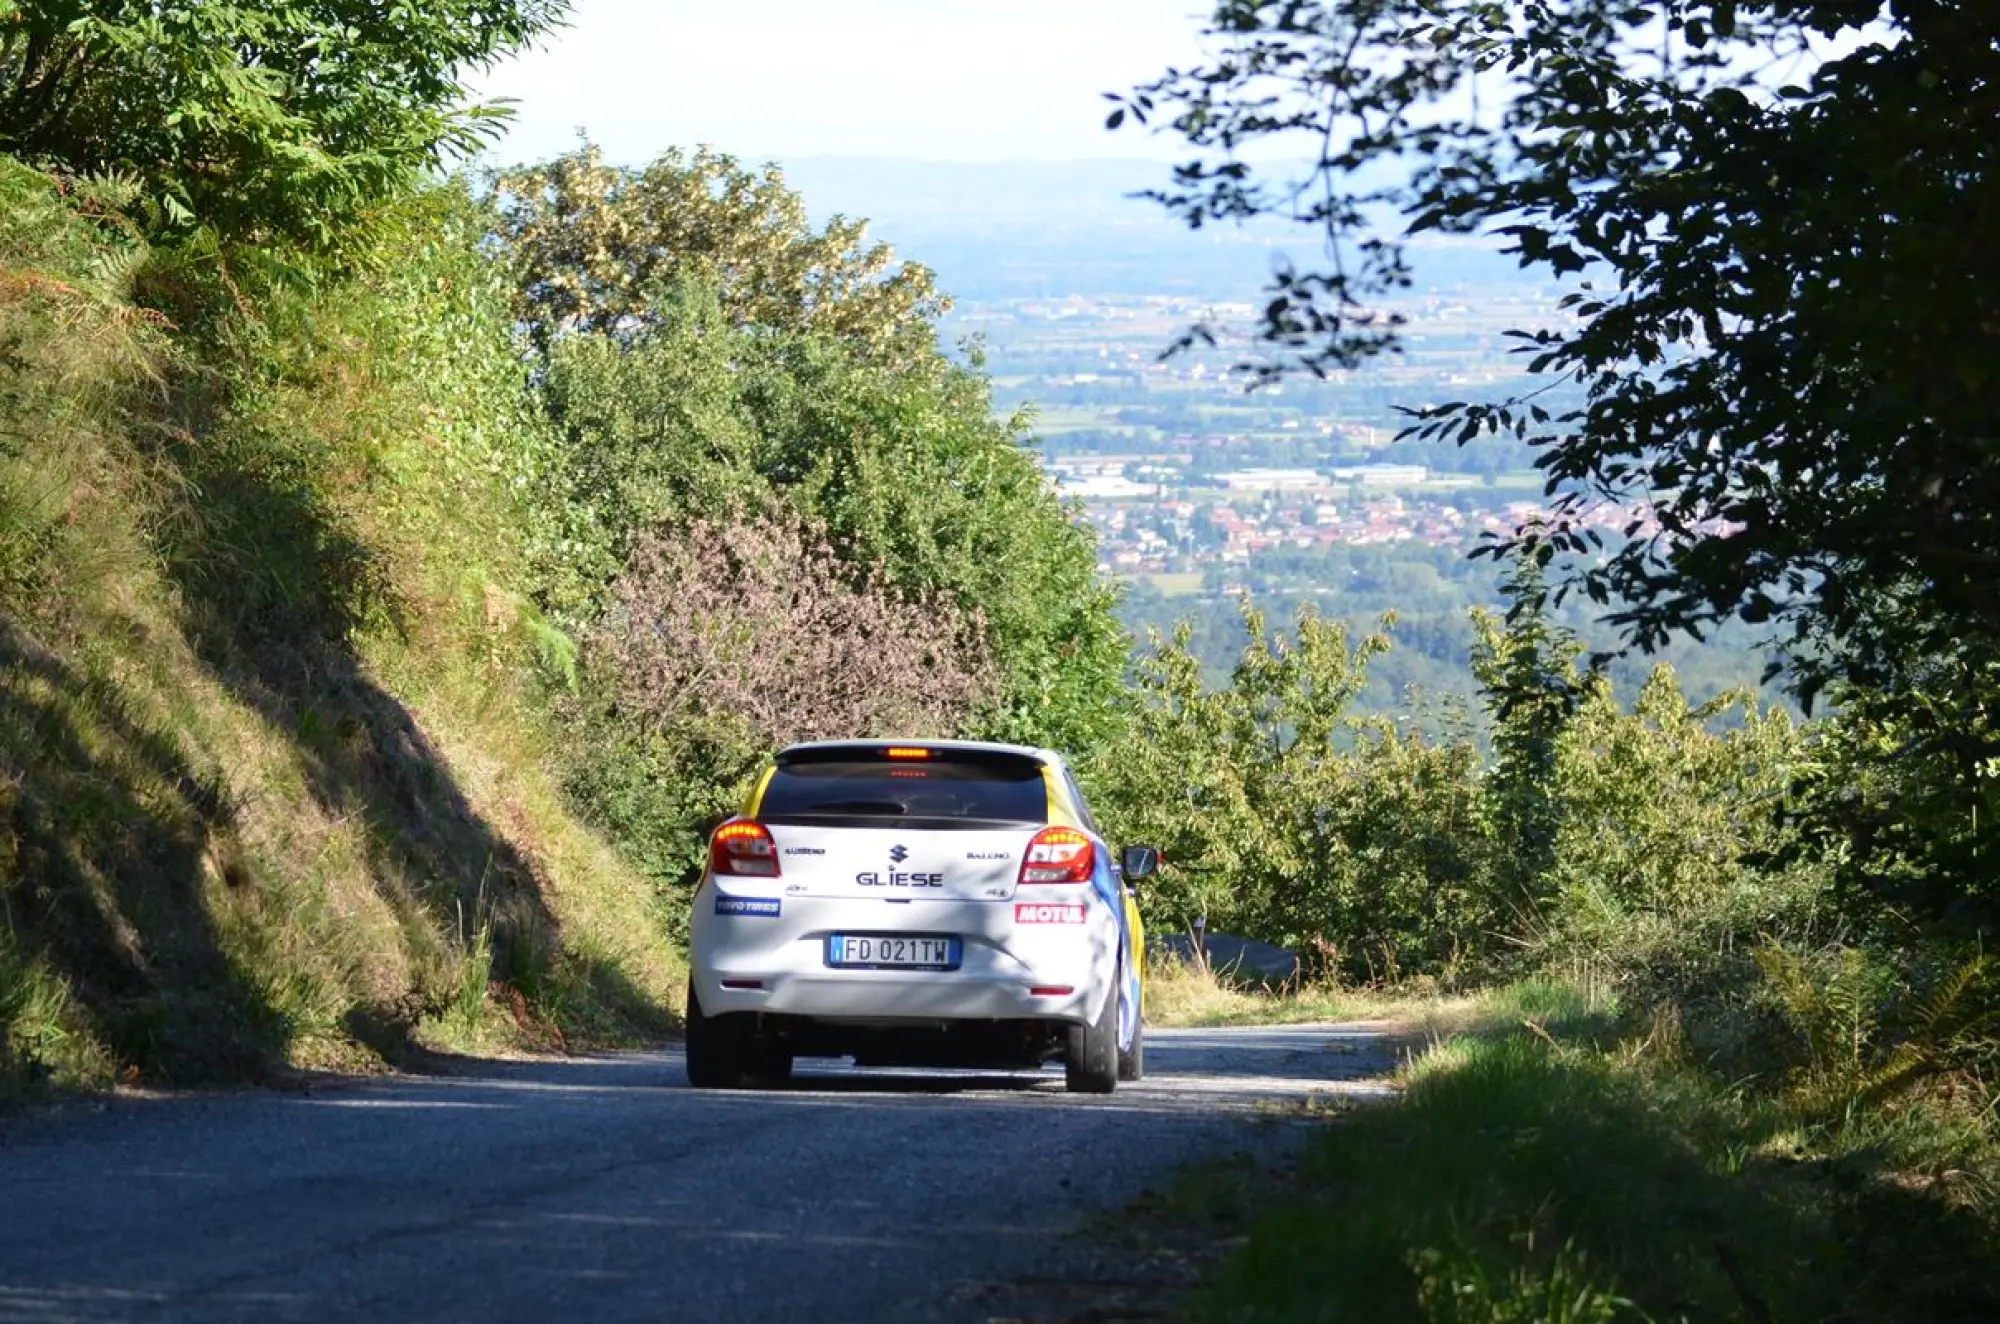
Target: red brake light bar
[(906, 752)]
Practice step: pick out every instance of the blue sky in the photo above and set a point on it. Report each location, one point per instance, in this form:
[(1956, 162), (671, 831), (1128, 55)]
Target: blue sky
[(943, 80)]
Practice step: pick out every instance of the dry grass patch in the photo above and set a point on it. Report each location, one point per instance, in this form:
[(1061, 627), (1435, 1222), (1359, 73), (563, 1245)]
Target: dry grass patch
[(1182, 994)]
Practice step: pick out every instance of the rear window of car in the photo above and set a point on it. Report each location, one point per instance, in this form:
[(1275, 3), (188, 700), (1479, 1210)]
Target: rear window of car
[(940, 791)]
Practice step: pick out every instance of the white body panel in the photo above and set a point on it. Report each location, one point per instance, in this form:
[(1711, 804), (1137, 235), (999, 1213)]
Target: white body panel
[(956, 882)]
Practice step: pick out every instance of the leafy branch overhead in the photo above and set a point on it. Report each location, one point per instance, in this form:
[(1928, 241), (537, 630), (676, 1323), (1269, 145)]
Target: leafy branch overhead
[(1774, 218), (258, 121)]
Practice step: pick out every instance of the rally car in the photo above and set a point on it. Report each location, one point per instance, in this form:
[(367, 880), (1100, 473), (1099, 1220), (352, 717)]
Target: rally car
[(919, 903)]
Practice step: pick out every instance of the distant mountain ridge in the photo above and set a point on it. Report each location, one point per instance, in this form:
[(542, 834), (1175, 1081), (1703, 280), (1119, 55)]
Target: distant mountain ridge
[(1053, 229)]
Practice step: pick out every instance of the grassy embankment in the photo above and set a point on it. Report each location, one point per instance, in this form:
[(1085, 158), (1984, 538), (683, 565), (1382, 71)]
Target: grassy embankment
[(272, 774), (1551, 1159)]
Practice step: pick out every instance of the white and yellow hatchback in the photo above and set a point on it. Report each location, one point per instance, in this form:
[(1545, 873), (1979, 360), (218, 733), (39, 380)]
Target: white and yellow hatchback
[(921, 903)]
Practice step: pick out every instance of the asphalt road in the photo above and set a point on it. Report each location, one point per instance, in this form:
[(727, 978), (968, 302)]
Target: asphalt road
[(606, 1189)]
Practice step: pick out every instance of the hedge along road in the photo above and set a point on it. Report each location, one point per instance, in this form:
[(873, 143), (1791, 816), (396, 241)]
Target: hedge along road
[(606, 1189)]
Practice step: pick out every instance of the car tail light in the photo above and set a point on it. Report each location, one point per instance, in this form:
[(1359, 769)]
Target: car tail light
[(743, 849), (1059, 855)]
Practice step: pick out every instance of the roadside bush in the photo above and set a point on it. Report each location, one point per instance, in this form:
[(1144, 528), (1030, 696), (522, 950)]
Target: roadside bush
[(726, 640), (1648, 846), (907, 473), (755, 625), (1903, 797), (1284, 816), (1670, 858)]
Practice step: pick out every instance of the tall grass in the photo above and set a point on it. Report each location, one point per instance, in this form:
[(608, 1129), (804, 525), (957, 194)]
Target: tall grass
[(272, 763), (1567, 1162)]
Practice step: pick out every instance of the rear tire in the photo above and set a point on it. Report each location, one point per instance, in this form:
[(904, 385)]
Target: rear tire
[(1090, 1064), (721, 1049), (1132, 1061)]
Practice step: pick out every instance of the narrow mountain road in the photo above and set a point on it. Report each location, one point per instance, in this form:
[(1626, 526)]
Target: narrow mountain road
[(606, 1189)]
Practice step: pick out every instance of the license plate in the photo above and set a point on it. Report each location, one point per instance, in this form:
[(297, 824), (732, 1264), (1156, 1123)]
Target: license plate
[(886, 951)]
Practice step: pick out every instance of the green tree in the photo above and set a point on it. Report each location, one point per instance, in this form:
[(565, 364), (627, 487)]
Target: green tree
[(1282, 815), (599, 249), (1904, 797), (1778, 330), (256, 120), (913, 478), (1674, 859), (1771, 215), (711, 368), (1526, 669), (703, 350)]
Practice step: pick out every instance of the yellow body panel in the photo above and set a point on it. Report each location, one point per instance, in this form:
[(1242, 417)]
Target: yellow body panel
[(1062, 813), (756, 800), (1137, 927)]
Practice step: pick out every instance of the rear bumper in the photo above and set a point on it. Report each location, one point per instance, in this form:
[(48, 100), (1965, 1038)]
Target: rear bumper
[(773, 959), (898, 997)]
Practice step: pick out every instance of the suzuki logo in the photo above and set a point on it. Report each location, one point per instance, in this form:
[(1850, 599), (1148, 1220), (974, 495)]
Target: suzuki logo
[(897, 854)]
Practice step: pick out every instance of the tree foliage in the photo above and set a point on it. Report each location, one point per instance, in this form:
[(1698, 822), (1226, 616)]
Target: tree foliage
[(1773, 214), (715, 354), (256, 120), (1904, 797), (603, 250), (1526, 670), (912, 477), (752, 625), (711, 367), (1644, 841), (736, 633), (1282, 815), (1671, 848)]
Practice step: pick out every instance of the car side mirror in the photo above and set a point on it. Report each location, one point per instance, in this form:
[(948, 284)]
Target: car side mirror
[(1139, 862)]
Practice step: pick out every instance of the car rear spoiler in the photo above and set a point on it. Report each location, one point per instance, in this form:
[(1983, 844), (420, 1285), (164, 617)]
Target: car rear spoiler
[(915, 751)]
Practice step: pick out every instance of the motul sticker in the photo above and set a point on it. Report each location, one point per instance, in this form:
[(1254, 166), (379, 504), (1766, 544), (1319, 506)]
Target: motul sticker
[(1047, 914)]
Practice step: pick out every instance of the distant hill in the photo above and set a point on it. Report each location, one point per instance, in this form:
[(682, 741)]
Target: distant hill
[(1048, 229)]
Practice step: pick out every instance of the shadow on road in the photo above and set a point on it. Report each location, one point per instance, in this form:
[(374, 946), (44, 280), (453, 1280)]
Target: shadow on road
[(886, 1081), (1188, 1070)]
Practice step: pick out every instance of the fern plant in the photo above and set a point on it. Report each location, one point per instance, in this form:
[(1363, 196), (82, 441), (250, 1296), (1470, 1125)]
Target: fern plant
[(1952, 1030), (1863, 1037)]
